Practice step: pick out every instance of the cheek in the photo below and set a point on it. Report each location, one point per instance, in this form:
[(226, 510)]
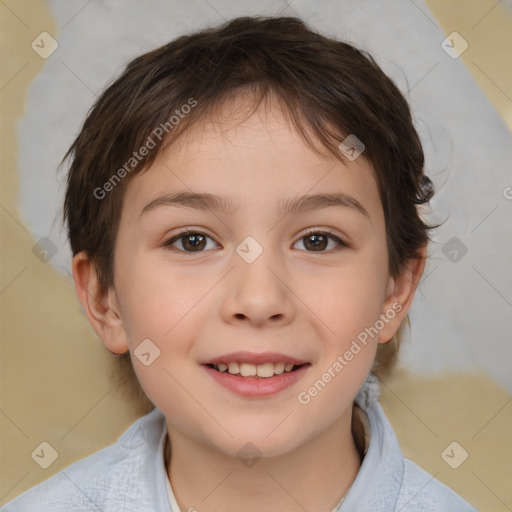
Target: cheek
[(350, 300), (164, 305), (156, 298), (349, 309)]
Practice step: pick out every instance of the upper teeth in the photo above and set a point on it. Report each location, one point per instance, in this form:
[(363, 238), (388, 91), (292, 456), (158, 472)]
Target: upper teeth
[(253, 370)]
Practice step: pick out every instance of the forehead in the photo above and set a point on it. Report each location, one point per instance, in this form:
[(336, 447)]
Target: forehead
[(256, 160)]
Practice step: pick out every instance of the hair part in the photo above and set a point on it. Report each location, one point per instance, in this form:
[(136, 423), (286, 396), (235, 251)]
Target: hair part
[(327, 89)]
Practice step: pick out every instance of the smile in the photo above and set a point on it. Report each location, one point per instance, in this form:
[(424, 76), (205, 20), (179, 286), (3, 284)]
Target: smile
[(264, 371), (230, 376)]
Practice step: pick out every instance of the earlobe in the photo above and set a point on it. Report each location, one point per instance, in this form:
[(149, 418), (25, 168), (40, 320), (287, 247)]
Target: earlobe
[(400, 294), (100, 306)]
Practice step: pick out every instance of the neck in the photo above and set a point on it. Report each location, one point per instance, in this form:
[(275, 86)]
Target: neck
[(314, 476)]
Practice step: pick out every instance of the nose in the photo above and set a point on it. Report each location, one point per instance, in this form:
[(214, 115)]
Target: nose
[(258, 293)]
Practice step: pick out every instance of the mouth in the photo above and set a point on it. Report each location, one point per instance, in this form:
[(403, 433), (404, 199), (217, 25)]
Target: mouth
[(256, 375), (258, 371), (256, 381)]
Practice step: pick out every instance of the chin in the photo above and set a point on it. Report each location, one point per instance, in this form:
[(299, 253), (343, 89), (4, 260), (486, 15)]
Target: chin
[(268, 439)]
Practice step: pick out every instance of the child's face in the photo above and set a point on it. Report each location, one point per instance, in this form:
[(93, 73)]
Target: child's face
[(203, 298)]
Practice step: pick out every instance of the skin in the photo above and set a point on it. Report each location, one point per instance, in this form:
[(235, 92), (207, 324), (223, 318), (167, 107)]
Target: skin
[(292, 299)]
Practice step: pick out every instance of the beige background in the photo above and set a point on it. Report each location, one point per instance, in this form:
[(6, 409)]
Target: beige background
[(57, 383)]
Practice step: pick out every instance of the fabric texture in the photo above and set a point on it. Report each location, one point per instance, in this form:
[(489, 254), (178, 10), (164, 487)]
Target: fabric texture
[(130, 475)]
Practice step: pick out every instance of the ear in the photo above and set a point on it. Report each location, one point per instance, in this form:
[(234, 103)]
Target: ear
[(101, 307), (399, 295)]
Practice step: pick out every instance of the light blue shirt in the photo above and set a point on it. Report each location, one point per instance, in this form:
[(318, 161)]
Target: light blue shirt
[(130, 475)]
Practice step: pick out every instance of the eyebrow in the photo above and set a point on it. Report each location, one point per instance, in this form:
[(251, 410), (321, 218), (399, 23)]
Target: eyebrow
[(301, 204)]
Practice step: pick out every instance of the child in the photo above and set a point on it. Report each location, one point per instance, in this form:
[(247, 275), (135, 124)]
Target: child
[(242, 211)]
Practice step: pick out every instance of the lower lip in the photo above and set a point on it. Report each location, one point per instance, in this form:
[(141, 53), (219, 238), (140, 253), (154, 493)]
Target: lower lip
[(257, 387)]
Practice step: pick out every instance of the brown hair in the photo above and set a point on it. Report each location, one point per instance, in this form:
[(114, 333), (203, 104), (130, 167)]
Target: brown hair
[(327, 88)]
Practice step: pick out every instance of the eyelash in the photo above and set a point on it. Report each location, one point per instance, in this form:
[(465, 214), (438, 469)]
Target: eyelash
[(342, 244)]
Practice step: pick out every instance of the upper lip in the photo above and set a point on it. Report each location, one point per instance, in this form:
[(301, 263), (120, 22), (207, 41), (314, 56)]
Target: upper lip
[(254, 358)]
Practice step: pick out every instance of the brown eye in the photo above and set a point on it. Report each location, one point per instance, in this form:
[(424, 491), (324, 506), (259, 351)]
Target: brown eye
[(190, 241), (318, 241)]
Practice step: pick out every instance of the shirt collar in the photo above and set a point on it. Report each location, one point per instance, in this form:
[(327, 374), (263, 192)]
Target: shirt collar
[(377, 484)]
